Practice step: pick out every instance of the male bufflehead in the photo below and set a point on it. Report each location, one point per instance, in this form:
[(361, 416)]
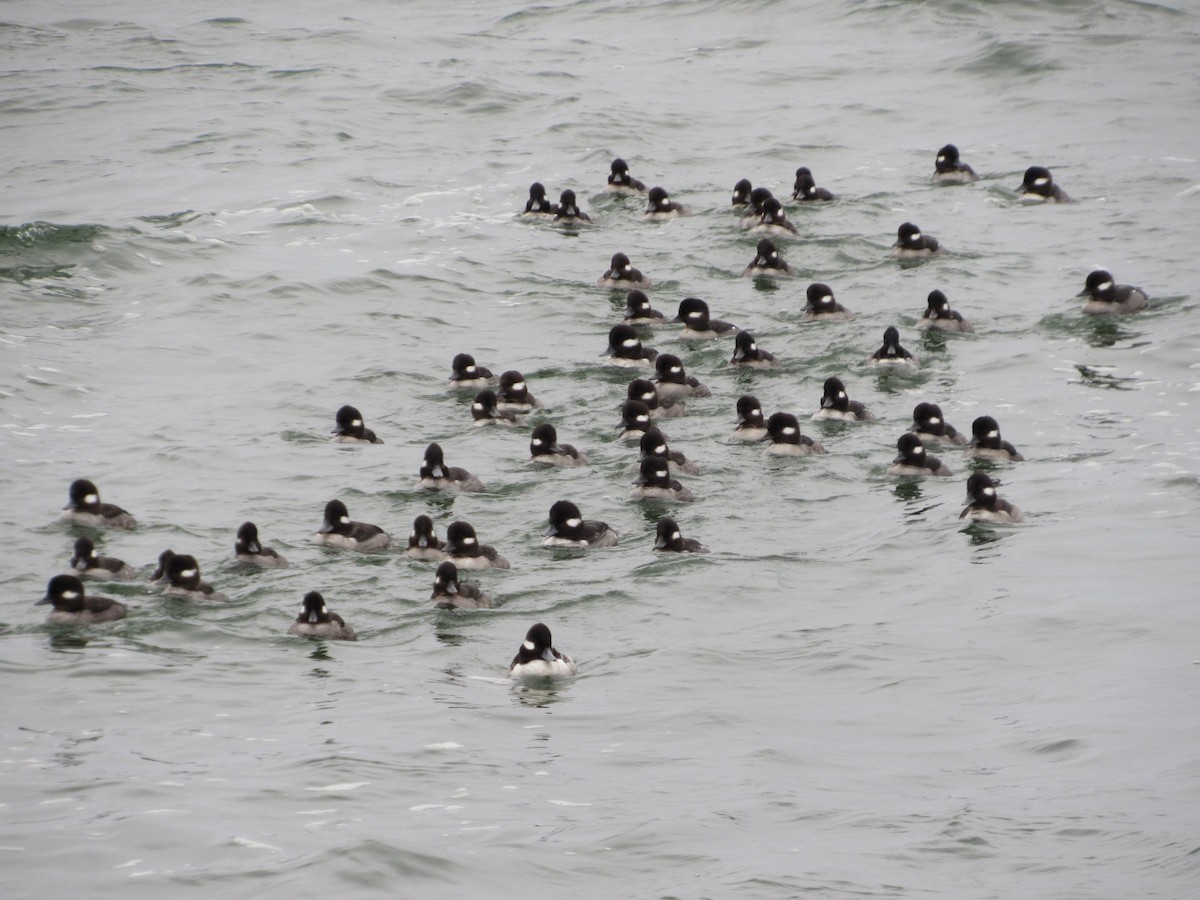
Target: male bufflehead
[(741, 193), (625, 349), (653, 446), (783, 431), (837, 405), (662, 206), (248, 549), (436, 475), (569, 212), (620, 181), (338, 530), (622, 274), (638, 310), (1038, 187), (773, 220), (1106, 296), (645, 391), (635, 419), (767, 262), (73, 607), (513, 393), (350, 428), (183, 577), (891, 353), (911, 242), (464, 550), (948, 169), (654, 482), (698, 325), (568, 528), (465, 374), (545, 448), (911, 458), (537, 204), (667, 539), (750, 423), (986, 442), (747, 354), (86, 564), (315, 620), (423, 541), (821, 306), (485, 411), (84, 508), (985, 504), (673, 382), (940, 317), (450, 593), (806, 189), (537, 659)]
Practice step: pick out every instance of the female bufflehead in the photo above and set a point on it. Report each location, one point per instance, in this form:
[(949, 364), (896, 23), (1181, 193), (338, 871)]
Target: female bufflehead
[(159, 576), (911, 242), (84, 508), (622, 274), (741, 192), (620, 181), (315, 620), (773, 220), (449, 593), (940, 317), (248, 549), (767, 262), (747, 354), (1038, 187), (436, 475), (351, 430), (837, 405), (667, 539), (537, 204), (662, 206), (1106, 296), (783, 431), (465, 374), (568, 528), (423, 541), (545, 448), (484, 411), (625, 349), (891, 353), (569, 212), (985, 504), (806, 189), (930, 426), (986, 442), (698, 325), (73, 607), (86, 564), (464, 550), (912, 460), (338, 530), (635, 420), (821, 306), (514, 393), (183, 577), (754, 210), (948, 169), (673, 382), (750, 423), (653, 446), (646, 392), (638, 310), (536, 657), (654, 482)]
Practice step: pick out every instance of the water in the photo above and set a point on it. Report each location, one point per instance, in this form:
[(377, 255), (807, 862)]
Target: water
[(222, 224)]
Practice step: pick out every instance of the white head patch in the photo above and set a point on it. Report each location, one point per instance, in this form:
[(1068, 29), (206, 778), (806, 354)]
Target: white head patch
[(90, 499), (574, 523), (660, 449), (357, 423), (537, 442), (675, 535), (826, 300), (993, 433), (988, 492), (468, 540), (188, 573), (70, 595), (345, 520), (630, 342), (470, 370), (934, 420), (789, 430), (641, 417), (675, 370), (1041, 182), (518, 386), (1105, 286), (528, 645)]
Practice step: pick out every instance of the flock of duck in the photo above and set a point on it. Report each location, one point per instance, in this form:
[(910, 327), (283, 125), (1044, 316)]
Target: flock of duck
[(506, 399)]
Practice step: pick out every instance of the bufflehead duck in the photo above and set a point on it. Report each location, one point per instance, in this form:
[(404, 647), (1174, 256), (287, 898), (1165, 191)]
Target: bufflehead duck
[(821, 305), (948, 169), (750, 423), (351, 430), (940, 317), (465, 374), (662, 206), (183, 577), (73, 607), (638, 310), (568, 528), (747, 354), (985, 504), (767, 262), (783, 431), (484, 411), (436, 475), (891, 353), (912, 460), (514, 393), (754, 211), (911, 242), (315, 620), (698, 325), (248, 549), (423, 541), (1106, 296), (646, 392), (449, 593), (807, 191), (159, 576), (536, 657), (635, 419), (464, 550), (837, 405), (568, 210), (741, 192), (673, 382), (986, 442), (653, 446), (620, 181), (86, 564), (930, 426), (773, 220), (537, 204), (1038, 187), (654, 482), (667, 539), (84, 508), (622, 274), (545, 448), (625, 349), (338, 530)]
